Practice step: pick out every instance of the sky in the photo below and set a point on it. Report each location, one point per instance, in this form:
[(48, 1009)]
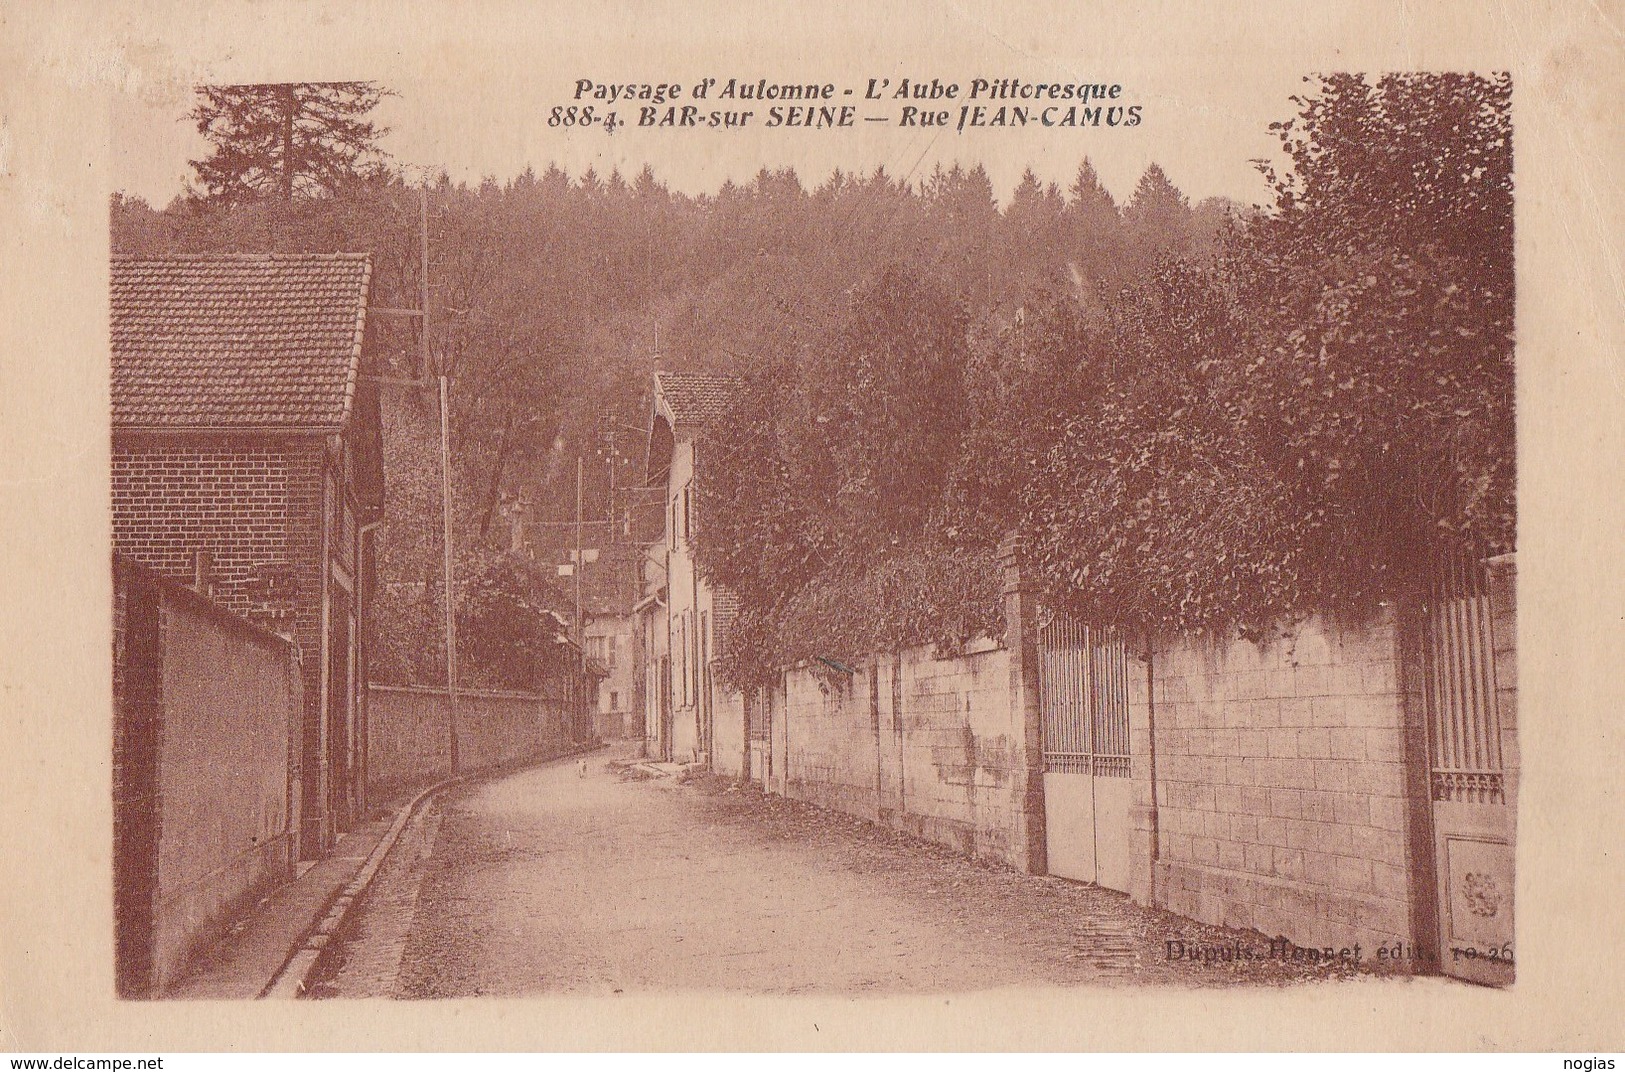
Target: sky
[(475, 97)]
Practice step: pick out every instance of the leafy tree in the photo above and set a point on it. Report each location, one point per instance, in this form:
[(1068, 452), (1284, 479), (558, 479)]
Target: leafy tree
[(511, 626), (1384, 286), (1306, 420), (1297, 400), (304, 138), (821, 494)]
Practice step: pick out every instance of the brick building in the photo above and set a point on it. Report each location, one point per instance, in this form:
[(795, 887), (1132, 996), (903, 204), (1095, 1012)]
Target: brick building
[(247, 463)]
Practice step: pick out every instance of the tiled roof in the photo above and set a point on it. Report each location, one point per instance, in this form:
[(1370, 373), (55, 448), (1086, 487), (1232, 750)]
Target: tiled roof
[(237, 340), (695, 397)]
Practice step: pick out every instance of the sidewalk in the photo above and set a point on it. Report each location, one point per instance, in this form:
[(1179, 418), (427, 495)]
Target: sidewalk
[(271, 952), (243, 964)]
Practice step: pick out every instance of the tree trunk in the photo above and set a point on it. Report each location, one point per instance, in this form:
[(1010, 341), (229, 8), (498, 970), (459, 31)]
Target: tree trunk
[(494, 486), (289, 106)]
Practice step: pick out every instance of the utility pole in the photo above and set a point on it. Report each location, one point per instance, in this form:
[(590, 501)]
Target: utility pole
[(614, 456), (451, 612), (581, 639), (422, 380), (609, 447), (445, 486)]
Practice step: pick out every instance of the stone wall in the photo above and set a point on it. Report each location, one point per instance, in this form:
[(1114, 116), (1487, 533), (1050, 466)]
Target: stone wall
[(932, 746), (409, 734), (1288, 792), (206, 782)]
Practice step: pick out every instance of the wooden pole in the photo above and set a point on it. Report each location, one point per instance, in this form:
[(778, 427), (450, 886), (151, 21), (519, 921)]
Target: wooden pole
[(451, 602), (445, 481), (581, 640)]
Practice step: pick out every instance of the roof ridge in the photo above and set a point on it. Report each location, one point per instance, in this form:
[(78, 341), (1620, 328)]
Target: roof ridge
[(694, 372), (133, 258), (242, 340)]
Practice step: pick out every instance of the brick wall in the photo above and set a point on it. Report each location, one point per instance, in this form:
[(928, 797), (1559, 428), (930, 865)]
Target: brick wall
[(1287, 789), (256, 506), (409, 737), (170, 502)]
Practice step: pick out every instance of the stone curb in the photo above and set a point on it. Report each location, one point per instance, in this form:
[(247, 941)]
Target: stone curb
[(292, 980)]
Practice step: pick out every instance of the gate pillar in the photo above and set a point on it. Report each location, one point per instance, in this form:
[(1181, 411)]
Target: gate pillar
[(1020, 640)]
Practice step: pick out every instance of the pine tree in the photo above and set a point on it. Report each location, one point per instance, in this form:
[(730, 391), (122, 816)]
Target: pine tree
[(1156, 200), (287, 139), (1094, 231), (1157, 218), (1089, 197)]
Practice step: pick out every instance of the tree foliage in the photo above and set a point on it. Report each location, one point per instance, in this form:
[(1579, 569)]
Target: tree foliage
[(289, 139), (510, 629), (821, 496), (1320, 413)]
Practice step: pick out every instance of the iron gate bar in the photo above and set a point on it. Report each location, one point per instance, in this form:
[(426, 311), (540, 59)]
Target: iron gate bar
[(1083, 698), (1459, 684)]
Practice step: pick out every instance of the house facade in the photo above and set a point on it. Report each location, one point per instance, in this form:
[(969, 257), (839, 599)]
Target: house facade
[(706, 720), (610, 587), (652, 670), (247, 464)]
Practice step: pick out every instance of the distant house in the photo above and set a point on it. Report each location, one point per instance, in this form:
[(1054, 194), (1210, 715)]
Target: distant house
[(706, 722), (247, 464), (651, 637), (609, 591)]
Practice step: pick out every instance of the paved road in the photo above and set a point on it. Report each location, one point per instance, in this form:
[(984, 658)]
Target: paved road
[(546, 881)]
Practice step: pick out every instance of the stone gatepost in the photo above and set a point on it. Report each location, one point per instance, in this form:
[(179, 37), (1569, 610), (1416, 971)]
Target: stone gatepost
[(1021, 641)]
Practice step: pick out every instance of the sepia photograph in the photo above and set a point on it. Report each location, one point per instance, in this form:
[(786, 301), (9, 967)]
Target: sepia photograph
[(727, 517)]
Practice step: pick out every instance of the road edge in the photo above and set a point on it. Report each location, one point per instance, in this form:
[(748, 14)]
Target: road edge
[(291, 982)]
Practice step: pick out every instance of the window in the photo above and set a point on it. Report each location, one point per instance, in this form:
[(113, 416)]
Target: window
[(682, 649), (614, 701), (671, 528), (688, 511), (698, 669)]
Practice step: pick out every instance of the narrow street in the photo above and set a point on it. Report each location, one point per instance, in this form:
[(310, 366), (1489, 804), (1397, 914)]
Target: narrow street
[(550, 881)]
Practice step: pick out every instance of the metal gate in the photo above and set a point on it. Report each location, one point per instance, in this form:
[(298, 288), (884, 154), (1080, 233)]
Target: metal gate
[(1083, 696), (1473, 832)]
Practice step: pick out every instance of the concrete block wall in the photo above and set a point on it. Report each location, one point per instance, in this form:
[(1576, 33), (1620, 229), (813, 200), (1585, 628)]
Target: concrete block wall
[(409, 736), (1287, 796), (932, 746), (830, 755), (728, 741)]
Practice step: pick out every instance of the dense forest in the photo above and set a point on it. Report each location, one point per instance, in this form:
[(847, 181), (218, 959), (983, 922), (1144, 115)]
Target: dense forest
[(553, 298), (1196, 416)]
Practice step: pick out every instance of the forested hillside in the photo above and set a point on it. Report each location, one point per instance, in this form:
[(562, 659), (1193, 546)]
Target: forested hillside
[(1196, 416)]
